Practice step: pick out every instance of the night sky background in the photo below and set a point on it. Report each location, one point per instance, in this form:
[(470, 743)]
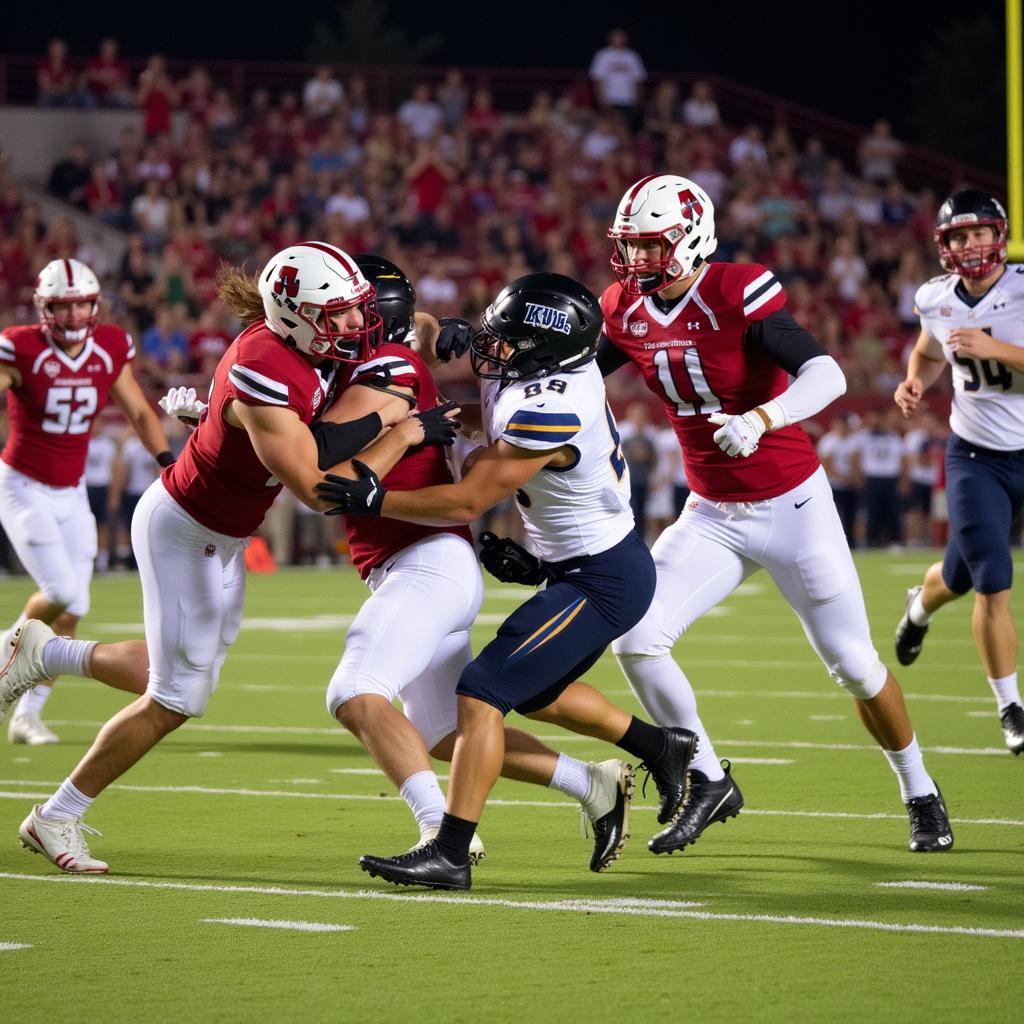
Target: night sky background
[(934, 69)]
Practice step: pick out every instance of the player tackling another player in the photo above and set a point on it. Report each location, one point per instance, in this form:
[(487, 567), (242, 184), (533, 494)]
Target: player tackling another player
[(971, 318)]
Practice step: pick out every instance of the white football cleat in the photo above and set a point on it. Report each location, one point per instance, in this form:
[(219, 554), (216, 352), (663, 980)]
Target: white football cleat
[(476, 847), (606, 807), (31, 729), (61, 842), (23, 664)]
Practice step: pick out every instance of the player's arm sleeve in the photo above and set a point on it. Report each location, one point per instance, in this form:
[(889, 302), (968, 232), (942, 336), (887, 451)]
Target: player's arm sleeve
[(609, 356), (819, 378), (338, 442), (541, 426), (258, 384)]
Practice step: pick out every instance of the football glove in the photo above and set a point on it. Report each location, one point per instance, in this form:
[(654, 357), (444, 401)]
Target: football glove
[(183, 405), (361, 497), (454, 338), (738, 435), (510, 562), (437, 427)]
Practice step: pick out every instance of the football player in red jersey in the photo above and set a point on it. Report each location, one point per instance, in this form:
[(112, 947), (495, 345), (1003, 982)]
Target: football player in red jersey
[(58, 375), (715, 343), (310, 310)]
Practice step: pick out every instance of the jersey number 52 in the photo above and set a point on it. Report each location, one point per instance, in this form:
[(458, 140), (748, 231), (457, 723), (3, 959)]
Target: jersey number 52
[(70, 410)]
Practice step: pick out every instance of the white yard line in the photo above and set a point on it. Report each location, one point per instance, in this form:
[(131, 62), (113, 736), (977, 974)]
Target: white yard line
[(15, 794), (941, 886), (642, 908), (291, 926), (9, 947)]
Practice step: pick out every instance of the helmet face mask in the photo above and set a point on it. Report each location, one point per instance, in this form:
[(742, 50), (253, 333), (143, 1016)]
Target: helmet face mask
[(670, 210), (538, 325), (306, 286), (971, 208), (66, 282)]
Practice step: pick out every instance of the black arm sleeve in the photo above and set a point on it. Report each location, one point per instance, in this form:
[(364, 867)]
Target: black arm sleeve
[(336, 442), (784, 341), (609, 356)]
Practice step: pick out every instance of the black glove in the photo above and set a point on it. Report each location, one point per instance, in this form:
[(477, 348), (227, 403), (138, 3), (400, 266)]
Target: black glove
[(437, 428), (362, 497), (510, 562), (453, 341)]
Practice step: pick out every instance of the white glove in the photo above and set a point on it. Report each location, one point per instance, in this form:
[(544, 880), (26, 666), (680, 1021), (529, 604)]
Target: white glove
[(183, 405), (738, 435)]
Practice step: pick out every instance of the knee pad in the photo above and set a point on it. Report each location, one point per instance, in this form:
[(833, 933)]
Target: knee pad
[(80, 606), (347, 683), (64, 591), (860, 672), (646, 639), (476, 681)]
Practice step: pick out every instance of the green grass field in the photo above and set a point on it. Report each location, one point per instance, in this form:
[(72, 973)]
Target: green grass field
[(794, 911)]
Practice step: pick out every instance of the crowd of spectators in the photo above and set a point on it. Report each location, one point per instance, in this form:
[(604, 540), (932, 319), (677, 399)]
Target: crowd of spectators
[(463, 195)]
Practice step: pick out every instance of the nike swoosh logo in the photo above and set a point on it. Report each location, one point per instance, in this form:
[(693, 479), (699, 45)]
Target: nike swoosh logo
[(800, 504)]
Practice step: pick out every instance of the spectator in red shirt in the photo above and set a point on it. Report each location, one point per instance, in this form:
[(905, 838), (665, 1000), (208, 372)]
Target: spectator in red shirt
[(429, 176), (156, 97), (106, 76), (208, 342), (55, 79), (103, 198)]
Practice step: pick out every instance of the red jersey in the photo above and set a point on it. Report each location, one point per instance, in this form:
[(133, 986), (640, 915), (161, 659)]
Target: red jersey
[(218, 478), (372, 541), (698, 360), (52, 409)]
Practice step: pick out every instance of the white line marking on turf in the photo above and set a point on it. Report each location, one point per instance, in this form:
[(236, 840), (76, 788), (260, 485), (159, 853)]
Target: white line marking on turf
[(942, 886), (291, 926), (826, 718), (286, 794), (9, 947), (616, 906), (210, 753)]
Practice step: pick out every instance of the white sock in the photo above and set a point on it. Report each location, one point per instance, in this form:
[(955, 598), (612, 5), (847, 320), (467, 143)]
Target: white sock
[(32, 701), (908, 764), (666, 694), (1006, 691), (918, 616), (63, 656), (67, 802), (422, 793), (571, 777)]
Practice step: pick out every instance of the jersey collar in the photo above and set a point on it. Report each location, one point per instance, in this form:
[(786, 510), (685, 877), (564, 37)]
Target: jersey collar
[(665, 319), (78, 361)]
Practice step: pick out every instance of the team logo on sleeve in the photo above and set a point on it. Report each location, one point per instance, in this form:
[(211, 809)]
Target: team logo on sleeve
[(547, 318)]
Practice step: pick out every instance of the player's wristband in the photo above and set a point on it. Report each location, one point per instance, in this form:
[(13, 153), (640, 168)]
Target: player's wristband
[(164, 458)]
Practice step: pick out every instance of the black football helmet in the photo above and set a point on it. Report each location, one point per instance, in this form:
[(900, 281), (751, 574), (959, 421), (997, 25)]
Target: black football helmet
[(396, 297), (970, 207), (550, 322)]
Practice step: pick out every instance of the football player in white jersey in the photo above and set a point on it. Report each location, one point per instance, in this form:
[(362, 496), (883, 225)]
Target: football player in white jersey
[(554, 443), (971, 318)]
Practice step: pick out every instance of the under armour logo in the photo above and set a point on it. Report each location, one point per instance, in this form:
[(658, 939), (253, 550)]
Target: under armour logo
[(693, 325), (998, 305)]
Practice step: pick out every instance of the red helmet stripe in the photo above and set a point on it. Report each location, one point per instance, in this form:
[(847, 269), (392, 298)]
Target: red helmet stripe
[(338, 254), (70, 273), (635, 191)]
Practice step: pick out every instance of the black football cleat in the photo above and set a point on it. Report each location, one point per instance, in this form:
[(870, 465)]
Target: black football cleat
[(606, 807), (426, 865), (930, 831), (1012, 720), (669, 771), (706, 802), (909, 637)]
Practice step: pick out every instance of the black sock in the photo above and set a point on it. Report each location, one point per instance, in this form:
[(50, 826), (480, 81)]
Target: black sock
[(454, 838), (643, 740)]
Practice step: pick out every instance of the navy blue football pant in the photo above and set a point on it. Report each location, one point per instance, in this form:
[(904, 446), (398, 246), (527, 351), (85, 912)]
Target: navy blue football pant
[(558, 635), (984, 491)]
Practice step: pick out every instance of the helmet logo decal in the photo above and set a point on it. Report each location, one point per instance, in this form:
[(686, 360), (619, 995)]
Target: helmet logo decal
[(287, 281), (688, 201), (547, 318)]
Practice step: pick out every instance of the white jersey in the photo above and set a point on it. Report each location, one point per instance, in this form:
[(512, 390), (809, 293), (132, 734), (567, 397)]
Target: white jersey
[(988, 397), (582, 509), (99, 460)]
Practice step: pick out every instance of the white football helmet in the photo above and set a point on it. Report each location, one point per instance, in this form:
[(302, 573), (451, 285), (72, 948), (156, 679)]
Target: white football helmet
[(304, 285), (67, 281), (673, 210)]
